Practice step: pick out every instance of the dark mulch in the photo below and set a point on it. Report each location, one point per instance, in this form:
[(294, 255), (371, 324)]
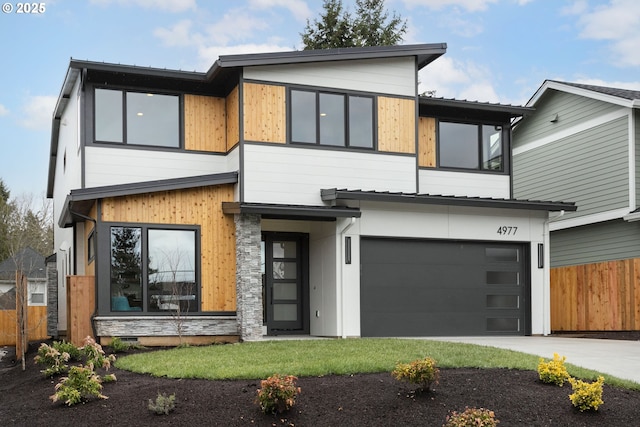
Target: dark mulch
[(517, 397)]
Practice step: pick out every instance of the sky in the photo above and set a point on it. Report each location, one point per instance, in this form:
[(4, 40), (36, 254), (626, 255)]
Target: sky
[(498, 51)]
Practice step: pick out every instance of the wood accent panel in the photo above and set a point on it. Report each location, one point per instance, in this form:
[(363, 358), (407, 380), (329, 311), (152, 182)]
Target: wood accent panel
[(427, 142), (264, 111), (197, 206), (81, 303), (603, 296), (36, 321), (233, 118), (396, 125), (205, 123)]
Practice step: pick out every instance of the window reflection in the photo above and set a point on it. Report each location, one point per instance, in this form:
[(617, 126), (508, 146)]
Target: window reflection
[(126, 269)]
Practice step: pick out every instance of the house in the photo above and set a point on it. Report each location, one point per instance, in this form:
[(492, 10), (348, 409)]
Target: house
[(32, 265), (306, 192), (582, 143)]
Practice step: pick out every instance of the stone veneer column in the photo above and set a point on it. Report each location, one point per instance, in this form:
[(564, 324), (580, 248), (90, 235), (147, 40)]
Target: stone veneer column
[(52, 296), (248, 276)]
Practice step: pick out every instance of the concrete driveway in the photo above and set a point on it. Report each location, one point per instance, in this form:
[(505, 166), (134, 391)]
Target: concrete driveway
[(614, 357)]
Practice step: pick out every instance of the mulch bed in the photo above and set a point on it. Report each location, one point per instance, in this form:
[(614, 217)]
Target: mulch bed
[(517, 397)]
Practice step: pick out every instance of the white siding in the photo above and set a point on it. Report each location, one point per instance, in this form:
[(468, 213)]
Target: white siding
[(114, 166), (464, 184), (394, 76), (291, 175)]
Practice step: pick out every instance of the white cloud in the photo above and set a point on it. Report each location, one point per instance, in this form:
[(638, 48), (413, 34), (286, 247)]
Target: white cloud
[(235, 25), (179, 35), (3, 110), (468, 5), (454, 79), (298, 8), (37, 112), (166, 5), (616, 22)]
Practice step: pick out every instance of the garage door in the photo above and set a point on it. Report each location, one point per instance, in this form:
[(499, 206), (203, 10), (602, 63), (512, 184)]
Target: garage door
[(443, 288)]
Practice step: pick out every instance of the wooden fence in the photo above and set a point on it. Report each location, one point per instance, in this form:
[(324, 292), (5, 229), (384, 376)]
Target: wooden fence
[(603, 296), (80, 307), (36, 320)]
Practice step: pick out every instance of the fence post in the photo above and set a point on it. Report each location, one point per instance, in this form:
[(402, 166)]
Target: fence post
[(21, 315)]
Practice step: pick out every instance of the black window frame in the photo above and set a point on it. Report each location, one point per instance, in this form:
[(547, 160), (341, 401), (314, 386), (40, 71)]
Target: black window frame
[(125, 143), (104, 272), (91, 246), (347, 95), (504, 144)]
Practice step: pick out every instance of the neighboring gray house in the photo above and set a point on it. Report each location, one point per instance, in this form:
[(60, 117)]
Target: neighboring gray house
[(581, 144), (33, 267)]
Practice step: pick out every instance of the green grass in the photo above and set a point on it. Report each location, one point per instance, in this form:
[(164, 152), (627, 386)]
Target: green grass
[(254, 360)]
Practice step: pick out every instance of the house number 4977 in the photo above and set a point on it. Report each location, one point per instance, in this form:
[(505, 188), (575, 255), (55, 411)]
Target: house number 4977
[(507, 230)]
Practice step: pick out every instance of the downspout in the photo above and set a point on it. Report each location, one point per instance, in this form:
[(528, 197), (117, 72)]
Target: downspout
[(95, 285), (341, 289), (546, 288)]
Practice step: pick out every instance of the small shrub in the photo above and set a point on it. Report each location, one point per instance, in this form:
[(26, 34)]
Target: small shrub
[(423, 372), (66, 347), (553, 371), (586, 396), (95, 355), (277, 393), (119, 346), (54, 360), (81, 383), (472, 417), (163, 404)]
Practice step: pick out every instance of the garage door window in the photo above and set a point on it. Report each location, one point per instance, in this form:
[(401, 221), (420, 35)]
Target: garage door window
[(503, 278), (503, 301), (503, 325)]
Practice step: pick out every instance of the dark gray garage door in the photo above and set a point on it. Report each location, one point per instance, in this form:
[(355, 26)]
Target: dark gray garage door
[(439, 288)]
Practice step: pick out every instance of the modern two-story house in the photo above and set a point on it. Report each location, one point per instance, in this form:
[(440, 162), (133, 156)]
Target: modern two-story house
[(306, 192), (583, 142)]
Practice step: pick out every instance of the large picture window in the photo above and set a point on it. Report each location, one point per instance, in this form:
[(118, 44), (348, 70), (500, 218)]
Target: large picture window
[(331, 119), (470, 146), (153, 270), (137, 118)]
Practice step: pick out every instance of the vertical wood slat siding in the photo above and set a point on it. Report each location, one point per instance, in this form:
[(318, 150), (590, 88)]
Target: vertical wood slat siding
[(36, 320), (396, 125), (427, 142), (205, 123), (233, 118), (80, 306), (199, 206), (264, 113), (601, 296)]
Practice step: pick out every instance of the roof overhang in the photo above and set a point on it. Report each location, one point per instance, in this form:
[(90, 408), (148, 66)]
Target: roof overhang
[(333, 194), (444, 107), (292, 212), (79, 202), (581, 91)]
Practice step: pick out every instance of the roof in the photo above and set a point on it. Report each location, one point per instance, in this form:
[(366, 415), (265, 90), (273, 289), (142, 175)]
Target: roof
[(219, 75), (471, 109), (30, 261), (79, 202), (301, 212), (334, 194), (624, 97)]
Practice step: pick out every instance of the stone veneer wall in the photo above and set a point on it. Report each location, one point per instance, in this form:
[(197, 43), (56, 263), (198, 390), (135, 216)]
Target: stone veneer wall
[(52, 297), (162, 326), (248, 277)]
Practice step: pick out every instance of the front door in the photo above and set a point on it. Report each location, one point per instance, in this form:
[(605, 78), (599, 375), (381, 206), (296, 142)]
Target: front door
[(285, 279)]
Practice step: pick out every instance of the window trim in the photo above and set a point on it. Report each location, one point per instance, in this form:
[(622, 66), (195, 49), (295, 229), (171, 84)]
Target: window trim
[(91, 246), (346, 95), (124, 143), (504, 141), (104, 278)]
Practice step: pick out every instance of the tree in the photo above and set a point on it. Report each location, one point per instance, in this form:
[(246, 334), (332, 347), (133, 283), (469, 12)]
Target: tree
[(371, 26)]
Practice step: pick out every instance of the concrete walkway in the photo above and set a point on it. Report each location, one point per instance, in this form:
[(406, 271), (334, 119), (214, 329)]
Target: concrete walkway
[(613, 357)]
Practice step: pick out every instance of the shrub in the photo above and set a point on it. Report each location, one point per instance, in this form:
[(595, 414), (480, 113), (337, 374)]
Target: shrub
[(586, 396), (277, 393), (553, 371), (66, 347), (81, 384), (163, 404), (95, 355), (54, 359), (423, 372), (472, 417)]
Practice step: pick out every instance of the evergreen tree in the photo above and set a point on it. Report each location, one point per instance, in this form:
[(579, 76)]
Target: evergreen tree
[(371, 26)]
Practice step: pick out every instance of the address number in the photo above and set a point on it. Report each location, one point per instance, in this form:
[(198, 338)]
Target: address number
[(507, 230)]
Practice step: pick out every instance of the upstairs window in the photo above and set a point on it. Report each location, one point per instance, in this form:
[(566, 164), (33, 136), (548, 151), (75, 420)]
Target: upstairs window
[(137, 118), (470, 146), (331, 119)]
